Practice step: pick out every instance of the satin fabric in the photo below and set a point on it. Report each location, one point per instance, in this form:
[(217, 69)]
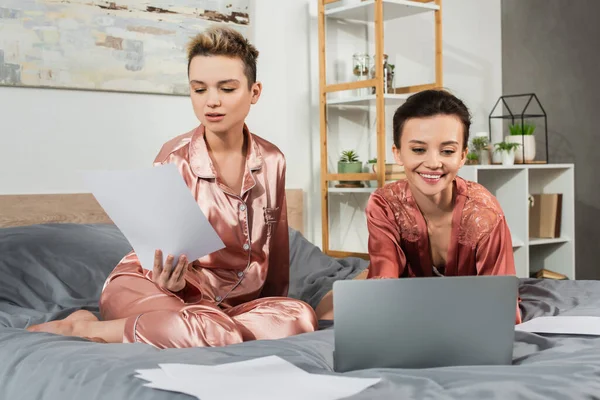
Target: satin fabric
[(480, 242), (232, 295)]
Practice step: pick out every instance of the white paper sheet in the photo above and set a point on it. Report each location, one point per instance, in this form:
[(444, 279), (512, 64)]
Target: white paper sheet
[(565, 325), (267, 378), (154, 209)]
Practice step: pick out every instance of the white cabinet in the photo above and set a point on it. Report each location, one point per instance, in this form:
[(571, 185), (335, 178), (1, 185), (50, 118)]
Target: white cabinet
[(512, 186)]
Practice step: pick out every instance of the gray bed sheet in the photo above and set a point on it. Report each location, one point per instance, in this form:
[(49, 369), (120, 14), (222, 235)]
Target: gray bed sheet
[(48, 271)]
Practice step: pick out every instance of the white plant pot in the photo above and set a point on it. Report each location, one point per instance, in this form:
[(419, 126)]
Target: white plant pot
[(527, 143), (484, 157), (368, 168), (496, 156), (508, 157)]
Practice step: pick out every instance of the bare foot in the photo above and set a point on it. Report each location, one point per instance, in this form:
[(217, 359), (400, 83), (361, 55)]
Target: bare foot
[(70, 326), (95, 339)]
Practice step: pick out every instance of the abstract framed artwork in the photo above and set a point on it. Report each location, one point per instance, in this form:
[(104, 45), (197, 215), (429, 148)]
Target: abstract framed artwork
[(134, 46)]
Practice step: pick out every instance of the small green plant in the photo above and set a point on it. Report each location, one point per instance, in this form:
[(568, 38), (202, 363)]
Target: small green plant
[(480, 143), (349, 156), (372, 161), (472, 156), (525, 129), (506, 146)]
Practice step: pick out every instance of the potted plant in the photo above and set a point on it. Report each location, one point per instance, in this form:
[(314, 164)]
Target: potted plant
[(472, 158), (370, 163), (369, 168), (523, 135), (507, 150), (349, 164), (480, 145)]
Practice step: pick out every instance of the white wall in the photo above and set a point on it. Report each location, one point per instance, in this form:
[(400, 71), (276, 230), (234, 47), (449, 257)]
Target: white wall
[(473, 56), (47, 136)]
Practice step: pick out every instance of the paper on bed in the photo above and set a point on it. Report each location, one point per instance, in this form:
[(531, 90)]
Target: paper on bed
[(263, 378), (563, 325), (154, 209), (158, 379)]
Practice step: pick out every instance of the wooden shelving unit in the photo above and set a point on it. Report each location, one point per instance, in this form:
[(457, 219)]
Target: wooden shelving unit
[(374, 13)]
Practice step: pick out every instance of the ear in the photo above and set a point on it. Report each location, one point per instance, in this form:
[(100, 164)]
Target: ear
[(463, 157), (255, 91), (397, 156)]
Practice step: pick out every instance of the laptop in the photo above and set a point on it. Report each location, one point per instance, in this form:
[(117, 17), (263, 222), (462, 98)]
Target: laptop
[(424, 322)]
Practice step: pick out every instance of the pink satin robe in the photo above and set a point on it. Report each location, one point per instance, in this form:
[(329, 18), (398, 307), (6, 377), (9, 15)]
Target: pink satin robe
[(235, 294), (480, 242)]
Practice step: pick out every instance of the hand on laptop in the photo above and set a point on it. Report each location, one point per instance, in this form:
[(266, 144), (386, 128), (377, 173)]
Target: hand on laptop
[(169, 276)]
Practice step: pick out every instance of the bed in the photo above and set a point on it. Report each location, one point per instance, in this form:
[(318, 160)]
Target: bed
[(56, 250)]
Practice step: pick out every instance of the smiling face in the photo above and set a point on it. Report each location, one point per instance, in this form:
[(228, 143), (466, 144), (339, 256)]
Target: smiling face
[(221, 96), (432, 150)]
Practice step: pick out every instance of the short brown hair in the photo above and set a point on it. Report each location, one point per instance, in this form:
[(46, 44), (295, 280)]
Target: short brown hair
[(225, 41), (429, 103)]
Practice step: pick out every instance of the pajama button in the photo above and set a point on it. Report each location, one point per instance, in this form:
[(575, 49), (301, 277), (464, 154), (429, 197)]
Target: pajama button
[(240, 274), (243, 207), (218, 298), (246, 246)]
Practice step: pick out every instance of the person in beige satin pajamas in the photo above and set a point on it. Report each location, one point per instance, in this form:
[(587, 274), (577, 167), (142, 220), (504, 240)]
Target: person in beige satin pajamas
[(235, 294)]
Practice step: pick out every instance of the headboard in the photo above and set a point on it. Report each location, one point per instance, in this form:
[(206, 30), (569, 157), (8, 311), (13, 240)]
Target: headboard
[(82, 208)]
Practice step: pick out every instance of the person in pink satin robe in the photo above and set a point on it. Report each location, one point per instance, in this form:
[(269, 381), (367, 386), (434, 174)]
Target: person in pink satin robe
[(235, 294), (434, 223)]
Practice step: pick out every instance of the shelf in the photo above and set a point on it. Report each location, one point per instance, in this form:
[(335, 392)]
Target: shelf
[(518, 116), (540, 241), (341, 226), (520, 166), (364, 11), (365, 101), (352, 190), (340, 87), (361, 176), (517, 242)]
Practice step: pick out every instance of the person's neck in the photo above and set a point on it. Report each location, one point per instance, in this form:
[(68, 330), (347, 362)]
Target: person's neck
[(437, 206), (232, 141)]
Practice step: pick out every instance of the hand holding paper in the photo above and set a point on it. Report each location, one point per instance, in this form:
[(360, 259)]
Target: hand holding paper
[(169, 275), (154, 209)]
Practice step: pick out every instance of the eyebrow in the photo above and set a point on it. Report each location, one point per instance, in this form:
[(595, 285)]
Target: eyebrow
[(443, 143), (219, 83)]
